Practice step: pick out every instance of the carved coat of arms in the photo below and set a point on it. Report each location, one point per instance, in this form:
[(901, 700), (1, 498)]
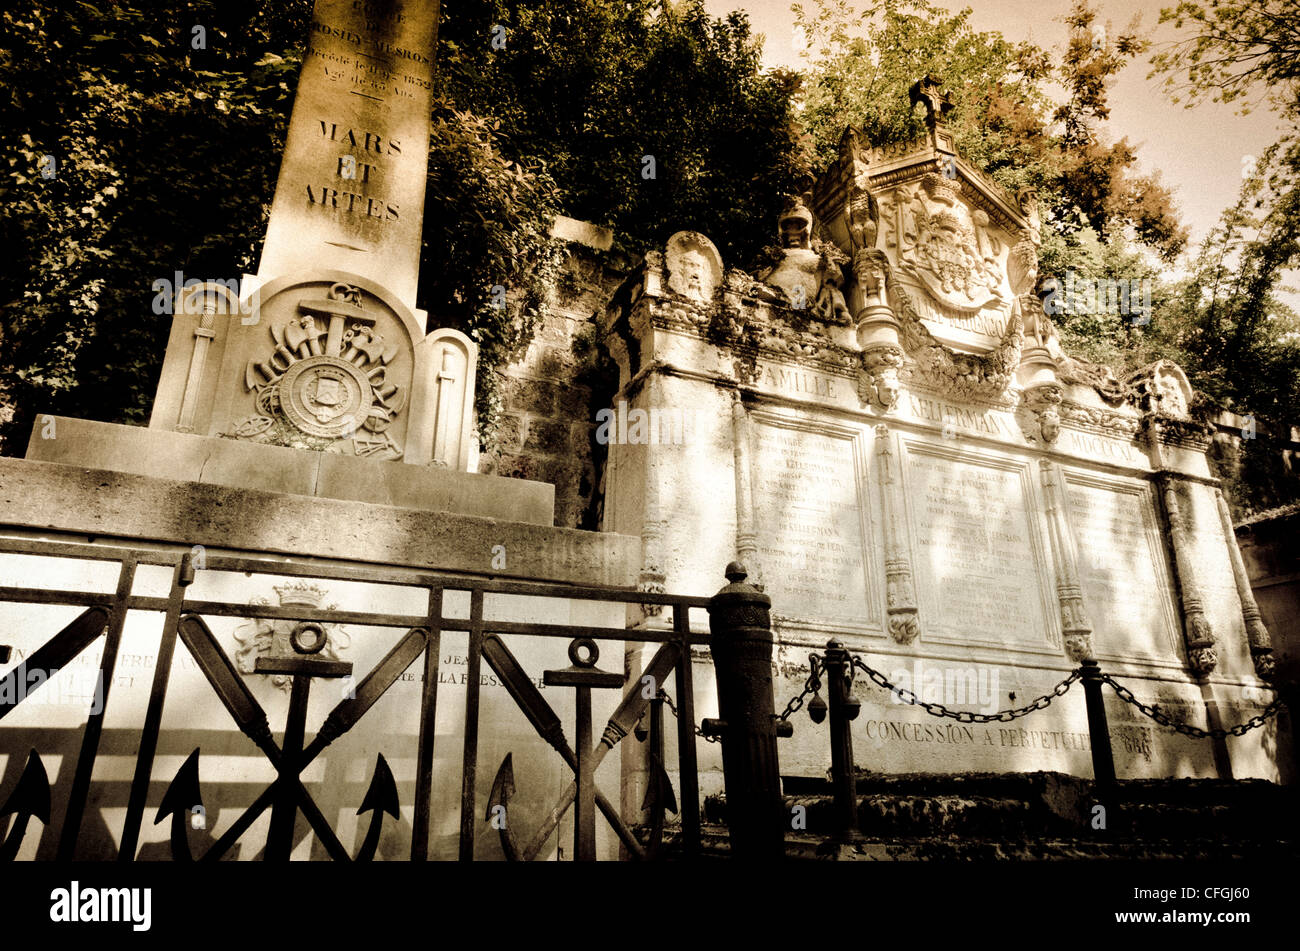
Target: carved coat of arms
[(325, 381), (262, 637)]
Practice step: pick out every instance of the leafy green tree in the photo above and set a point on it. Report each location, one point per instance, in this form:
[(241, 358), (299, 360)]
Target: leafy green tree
[(1241, 335), (131, 154), (651, 117)]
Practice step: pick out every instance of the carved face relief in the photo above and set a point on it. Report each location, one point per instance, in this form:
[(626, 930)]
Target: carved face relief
[(1049, 424), (693, 274), (1169, 398), (694, 266), (888, 388)]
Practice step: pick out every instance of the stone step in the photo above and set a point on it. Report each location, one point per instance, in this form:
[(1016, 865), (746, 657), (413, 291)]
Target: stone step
[(1254, 793), (1042, 805)]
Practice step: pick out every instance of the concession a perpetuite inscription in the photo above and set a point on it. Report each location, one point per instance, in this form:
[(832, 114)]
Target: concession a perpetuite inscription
[(976, 567), (809, 521)]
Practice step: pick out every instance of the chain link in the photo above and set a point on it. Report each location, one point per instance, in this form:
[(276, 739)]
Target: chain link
[(1241, 729), (699, 731), (814, 683), (966, 716), (811, 685)]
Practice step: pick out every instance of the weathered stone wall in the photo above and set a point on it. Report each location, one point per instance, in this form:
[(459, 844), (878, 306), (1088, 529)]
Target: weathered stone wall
[(547, 427)]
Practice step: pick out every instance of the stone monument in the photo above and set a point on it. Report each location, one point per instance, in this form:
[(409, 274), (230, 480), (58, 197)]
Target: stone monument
[(323, 349), (904, 456), (308, 413)]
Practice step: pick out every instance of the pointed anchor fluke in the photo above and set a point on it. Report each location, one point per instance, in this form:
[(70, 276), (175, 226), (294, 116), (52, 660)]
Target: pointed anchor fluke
[(498, 810), (381, 797), (30, 798), (659, 790), (182, 802)]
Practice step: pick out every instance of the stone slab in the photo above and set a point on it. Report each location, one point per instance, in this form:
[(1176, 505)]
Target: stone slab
[(214, 461), (50, 496)]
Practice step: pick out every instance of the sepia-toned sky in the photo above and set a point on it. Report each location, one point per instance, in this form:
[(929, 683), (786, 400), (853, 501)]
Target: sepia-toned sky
[(1198, 151)]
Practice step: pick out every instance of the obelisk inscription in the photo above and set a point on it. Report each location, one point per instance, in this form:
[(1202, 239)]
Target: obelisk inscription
[(350, 195)]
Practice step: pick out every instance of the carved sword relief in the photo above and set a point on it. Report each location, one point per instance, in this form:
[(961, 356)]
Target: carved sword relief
[(900, 589)]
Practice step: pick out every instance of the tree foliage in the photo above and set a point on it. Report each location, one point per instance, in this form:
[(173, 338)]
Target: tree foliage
[(597, 90), (1004, 117), (166, 155)]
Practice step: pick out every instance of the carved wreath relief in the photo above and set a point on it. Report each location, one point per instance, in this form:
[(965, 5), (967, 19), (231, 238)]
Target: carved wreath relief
[(325, 381)]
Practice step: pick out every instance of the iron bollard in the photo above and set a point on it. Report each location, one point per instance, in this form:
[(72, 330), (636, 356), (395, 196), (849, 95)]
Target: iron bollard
[(1103, 762), (843, 709), (741, 644)]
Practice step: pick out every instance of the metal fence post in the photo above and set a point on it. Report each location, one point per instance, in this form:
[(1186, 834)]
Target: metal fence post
[(1103, 761), (843, 709), (741, 644)]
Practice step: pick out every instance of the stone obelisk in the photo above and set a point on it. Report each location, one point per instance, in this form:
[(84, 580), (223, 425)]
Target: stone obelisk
[(351, 189), (329, 352)]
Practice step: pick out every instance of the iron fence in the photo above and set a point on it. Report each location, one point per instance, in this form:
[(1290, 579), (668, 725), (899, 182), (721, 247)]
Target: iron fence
[(105, 616)]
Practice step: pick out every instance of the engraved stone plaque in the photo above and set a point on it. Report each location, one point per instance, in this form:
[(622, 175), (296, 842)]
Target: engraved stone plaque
[(979, 556), (1122, 570), (811, 522)]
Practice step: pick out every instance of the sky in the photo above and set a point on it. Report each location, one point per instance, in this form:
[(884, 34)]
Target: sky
[(1199, 152)]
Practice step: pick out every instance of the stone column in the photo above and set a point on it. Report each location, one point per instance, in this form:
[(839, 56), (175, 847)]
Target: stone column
[(1201, 652), (1075, 626), (900, 589), (746, 529)]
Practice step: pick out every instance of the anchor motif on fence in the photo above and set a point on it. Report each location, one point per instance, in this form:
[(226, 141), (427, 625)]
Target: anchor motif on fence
[(30, 798), (287, 795), (582, 793)]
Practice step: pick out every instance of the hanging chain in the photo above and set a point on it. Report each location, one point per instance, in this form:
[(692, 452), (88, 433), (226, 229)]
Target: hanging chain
[(811, 685), (965, 716), (673, 707), (1241, 729)]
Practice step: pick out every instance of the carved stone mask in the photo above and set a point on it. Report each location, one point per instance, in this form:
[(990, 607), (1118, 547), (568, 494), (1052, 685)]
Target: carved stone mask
[(693, 272), (1049, 424), (887, 387)]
